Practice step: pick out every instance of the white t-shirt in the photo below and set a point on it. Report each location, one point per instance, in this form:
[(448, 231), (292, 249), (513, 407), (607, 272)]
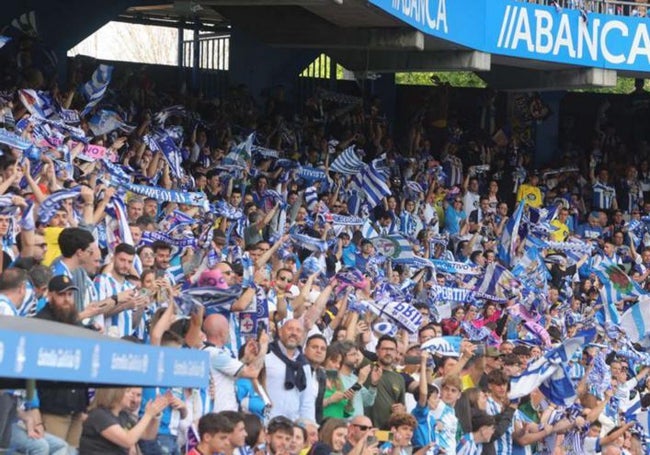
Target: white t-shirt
[(7, 308), (224, 368)]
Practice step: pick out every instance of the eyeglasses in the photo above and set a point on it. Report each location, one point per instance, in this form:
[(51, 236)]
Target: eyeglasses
[(362, 427)]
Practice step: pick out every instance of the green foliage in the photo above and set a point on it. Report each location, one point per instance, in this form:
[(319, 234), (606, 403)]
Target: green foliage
[(624, 86), (455, 79), (320, 68)]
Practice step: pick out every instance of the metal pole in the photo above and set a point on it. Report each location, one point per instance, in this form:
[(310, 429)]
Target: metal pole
[(180, 56), (196, 56)]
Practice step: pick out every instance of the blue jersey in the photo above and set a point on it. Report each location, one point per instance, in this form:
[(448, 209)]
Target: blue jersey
[(58, 267), (171, 418), (603, 196), (425, 432)]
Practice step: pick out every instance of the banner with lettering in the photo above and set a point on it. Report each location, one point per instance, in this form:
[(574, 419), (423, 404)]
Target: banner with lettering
[(445, 346), (31, 348), (531, 31), (404, 314)]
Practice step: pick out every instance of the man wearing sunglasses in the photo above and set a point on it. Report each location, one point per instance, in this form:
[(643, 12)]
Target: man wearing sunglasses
[(357, 430)]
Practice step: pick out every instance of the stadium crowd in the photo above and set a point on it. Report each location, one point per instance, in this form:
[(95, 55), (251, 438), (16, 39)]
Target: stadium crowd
[(356, 293)]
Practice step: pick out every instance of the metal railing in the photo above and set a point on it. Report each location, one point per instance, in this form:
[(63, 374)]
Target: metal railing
[(214, 52), (637, 8)]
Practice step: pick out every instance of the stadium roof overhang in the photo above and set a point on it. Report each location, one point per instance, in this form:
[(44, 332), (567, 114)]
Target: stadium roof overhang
[(376, 36)]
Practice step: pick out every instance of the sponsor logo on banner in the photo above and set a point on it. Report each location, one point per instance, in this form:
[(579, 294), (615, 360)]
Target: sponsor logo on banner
[(531, 31), (543, 32), (430, 13)]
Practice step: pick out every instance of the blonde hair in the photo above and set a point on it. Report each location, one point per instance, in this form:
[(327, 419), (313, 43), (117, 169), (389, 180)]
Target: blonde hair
[(107, 397)]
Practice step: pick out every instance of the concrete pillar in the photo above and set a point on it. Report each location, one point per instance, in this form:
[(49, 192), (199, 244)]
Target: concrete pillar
[(260, 66), (384, 88), (547, 132)]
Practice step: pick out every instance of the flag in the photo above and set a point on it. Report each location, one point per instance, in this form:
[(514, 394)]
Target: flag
[(635, 322), (214, 300), (368, 230), (510, 238), (549, 374), (445, 346), (616, 286), (395, 247), (104, 121), (497, 281), (38, 103), (348, 162), (240, 154), (172, 155), (374, 183), (531, 267), (95, 89)]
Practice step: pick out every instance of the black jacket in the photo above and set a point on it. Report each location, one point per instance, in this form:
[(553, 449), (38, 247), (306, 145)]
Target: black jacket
[(56, 398)]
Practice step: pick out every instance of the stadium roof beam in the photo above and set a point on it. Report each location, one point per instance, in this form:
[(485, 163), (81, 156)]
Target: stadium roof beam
[(379, 38), (391, 62), (521, 79)]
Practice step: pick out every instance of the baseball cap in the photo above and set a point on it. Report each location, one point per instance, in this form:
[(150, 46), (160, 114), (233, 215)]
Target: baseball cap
[(492, 352), (61, 283)]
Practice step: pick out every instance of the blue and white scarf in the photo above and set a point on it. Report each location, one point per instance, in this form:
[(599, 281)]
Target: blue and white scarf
[(309, 243), (456, 268), (52, 203), (95, 89), (149, 237), (13, 140), (224, 209), (162, 194)]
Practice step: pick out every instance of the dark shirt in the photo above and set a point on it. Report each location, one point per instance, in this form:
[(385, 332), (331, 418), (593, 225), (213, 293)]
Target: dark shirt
[(60, 400), (390, 390), (92, 442)]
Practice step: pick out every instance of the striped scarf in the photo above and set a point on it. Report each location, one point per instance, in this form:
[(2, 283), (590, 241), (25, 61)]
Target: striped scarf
[(52, 203)]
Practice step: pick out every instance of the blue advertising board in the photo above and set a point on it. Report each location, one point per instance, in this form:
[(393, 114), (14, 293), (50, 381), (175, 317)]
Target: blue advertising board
[(84, 356), (530, 31)]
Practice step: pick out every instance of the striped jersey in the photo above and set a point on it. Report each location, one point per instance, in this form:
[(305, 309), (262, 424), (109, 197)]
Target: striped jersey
[(603, 196), (107, 286), (503, 445)]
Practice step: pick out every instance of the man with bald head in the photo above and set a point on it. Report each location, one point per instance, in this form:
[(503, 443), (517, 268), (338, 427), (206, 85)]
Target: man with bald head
[(290, 384), (224, 365), (357, 430)]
